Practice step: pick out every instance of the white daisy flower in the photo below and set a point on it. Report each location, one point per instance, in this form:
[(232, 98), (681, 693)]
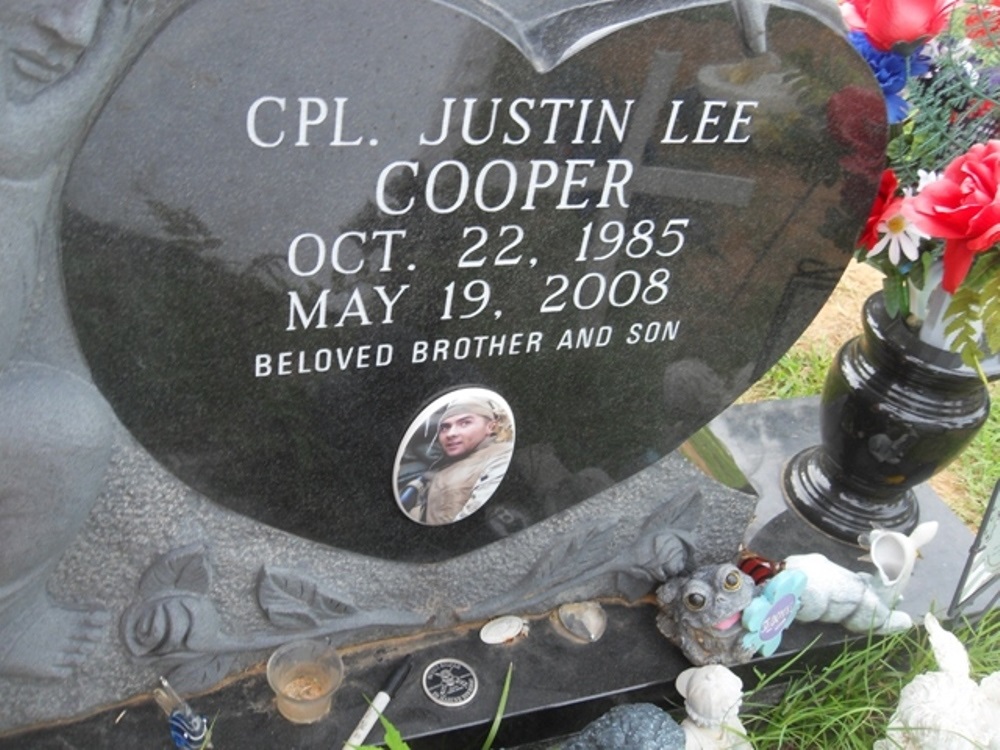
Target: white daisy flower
[(900, 236)]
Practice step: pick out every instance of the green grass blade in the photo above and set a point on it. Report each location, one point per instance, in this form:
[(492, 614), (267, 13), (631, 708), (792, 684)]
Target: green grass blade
[(501, 707)]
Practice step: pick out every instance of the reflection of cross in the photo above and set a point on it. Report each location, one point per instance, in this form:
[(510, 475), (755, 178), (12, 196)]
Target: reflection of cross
[(661, 182), (665, 181)]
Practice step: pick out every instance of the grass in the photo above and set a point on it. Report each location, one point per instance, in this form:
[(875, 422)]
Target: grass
[(848, 704), (979, 467), (802, 371)]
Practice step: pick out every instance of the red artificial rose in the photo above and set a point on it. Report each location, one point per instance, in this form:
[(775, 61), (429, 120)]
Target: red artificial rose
[(857, 121), (854, 12), (887, 190), (962, 207), (891, 22)]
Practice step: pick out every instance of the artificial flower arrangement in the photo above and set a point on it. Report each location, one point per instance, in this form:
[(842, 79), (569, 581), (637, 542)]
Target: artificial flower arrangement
[(935, 224)]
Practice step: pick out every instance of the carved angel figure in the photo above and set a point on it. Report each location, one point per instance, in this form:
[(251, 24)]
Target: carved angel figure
[(57, 58)]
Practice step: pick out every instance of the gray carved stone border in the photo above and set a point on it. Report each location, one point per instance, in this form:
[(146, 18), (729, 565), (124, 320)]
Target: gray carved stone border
[(174, 625)]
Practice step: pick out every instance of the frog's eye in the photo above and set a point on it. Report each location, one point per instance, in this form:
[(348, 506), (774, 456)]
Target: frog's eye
[(694, 602), (732, 581)]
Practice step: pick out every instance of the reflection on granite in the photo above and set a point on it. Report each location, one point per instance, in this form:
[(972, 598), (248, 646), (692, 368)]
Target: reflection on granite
[(763, 437), (267, 315)]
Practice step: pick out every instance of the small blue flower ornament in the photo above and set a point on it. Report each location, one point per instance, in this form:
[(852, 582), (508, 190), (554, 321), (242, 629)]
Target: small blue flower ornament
[(892, 70), (770, 614)]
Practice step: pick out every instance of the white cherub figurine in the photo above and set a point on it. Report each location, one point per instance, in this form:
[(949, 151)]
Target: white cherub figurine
[(946, 709), (712, 699)]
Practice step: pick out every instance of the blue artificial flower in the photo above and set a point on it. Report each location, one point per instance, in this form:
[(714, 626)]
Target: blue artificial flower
[(891, 70), (769, 615)]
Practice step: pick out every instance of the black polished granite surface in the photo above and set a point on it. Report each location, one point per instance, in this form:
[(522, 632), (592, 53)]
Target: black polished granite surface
[(280, 247), (558, 686)]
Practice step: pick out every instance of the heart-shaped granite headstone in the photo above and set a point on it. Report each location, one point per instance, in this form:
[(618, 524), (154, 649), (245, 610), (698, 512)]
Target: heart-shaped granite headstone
[(295, 225)]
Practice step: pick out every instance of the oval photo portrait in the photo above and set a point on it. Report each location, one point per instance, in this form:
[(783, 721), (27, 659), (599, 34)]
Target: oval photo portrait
[(454, 456)]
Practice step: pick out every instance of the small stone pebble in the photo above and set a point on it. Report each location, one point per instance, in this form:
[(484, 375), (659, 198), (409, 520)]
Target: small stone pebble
[(640, 726)]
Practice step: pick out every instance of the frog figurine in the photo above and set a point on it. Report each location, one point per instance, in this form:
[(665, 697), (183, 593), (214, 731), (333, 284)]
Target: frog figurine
[(701, 613)]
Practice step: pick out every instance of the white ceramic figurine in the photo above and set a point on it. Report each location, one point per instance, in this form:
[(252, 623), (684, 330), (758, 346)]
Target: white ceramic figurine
[(712, 699), (946, 709), (858, 600)]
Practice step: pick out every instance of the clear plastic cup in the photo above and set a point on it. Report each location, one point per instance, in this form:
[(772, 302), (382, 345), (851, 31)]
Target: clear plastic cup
[(304, 676)]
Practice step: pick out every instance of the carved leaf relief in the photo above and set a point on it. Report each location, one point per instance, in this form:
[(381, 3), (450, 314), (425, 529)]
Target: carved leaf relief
[(184, 568), (294, 600)]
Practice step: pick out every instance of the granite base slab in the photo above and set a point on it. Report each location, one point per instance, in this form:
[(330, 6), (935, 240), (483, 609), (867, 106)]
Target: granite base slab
[(558, 686)]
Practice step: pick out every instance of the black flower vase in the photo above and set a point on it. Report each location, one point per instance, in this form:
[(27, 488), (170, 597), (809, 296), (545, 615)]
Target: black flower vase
[(895, 411)]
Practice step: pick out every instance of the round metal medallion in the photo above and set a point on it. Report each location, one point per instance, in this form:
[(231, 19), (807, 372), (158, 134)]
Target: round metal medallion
[(503, 629), (449, 682)]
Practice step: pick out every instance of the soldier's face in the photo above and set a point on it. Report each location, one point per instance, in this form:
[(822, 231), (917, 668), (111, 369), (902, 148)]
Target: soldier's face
[(461, 433), (41, 42)]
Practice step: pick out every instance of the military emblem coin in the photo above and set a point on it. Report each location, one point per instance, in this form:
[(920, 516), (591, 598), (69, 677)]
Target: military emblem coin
[(449, 682)]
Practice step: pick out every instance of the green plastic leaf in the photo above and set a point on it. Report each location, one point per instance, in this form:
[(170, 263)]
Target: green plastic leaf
[(991, 314), (963, 318), (896, 296)]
